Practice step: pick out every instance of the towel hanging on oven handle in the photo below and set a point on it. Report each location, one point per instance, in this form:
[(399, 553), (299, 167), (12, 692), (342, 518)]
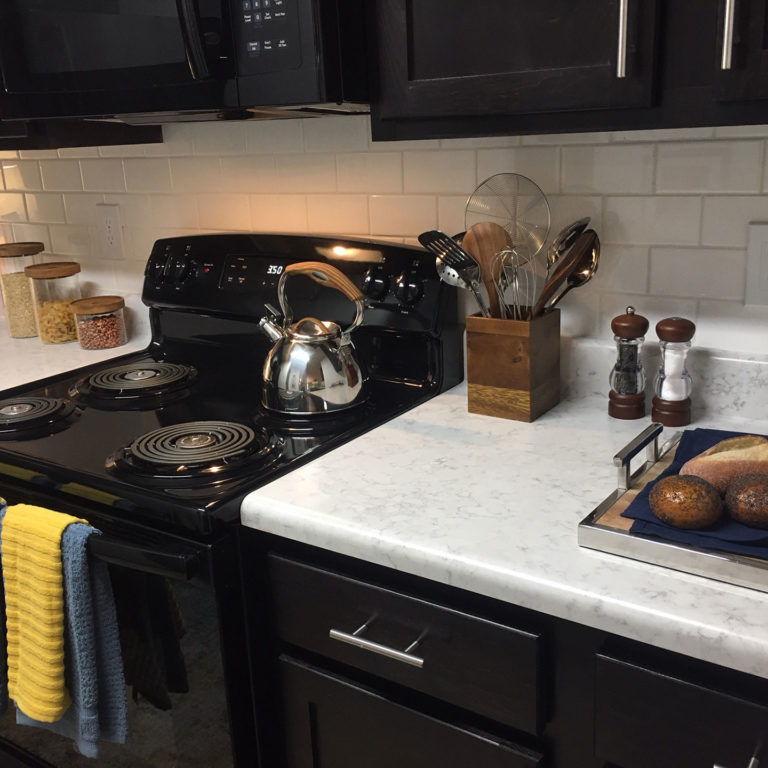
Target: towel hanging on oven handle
[(172, 564)]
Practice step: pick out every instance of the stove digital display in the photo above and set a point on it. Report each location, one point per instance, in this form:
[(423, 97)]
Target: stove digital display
[(241, 272)]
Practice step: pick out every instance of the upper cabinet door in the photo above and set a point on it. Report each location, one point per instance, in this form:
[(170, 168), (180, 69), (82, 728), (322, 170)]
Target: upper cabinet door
[(442, 58), (742, 54)]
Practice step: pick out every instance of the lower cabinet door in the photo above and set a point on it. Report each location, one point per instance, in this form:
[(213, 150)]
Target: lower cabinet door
[(330, 722)]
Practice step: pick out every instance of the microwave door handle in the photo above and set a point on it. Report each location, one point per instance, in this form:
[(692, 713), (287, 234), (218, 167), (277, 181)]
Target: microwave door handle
[(193, 42), (180, 566)]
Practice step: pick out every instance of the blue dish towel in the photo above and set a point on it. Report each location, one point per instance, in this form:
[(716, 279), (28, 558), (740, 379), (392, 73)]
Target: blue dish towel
[(94, 669), (726, 536)]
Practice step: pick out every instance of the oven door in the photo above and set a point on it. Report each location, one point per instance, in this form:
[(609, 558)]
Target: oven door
[(183, 642), (71, 58)]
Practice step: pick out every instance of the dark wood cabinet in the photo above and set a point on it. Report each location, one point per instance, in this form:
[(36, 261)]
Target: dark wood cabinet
[(460, 68), (331, 722), (496, 685)]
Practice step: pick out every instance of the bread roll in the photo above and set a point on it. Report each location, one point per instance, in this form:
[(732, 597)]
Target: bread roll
[(728, 460), (746, 500), (685, 502)]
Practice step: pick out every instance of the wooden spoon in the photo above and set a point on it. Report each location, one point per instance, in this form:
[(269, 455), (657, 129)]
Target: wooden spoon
[(484, 240), (567, 264)]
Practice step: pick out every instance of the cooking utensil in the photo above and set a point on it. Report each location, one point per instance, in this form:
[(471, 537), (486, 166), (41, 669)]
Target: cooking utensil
[(583, 273), (517, 277), (565, 238), (570, 262), (454, 265), (485, 241), (312, 367), (515, 203)]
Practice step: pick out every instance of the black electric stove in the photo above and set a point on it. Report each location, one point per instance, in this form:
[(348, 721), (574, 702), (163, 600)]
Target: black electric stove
[(175, 435), (158, 448)]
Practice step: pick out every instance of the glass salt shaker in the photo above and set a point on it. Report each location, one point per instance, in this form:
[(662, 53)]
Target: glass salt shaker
[(626, 400), (672, 384)]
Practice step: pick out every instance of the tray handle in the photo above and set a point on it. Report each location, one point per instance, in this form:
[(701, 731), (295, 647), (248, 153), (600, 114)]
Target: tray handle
[(648, 439)]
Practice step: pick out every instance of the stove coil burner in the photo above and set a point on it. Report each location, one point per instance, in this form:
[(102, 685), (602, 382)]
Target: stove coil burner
[(25, 417), (142, 384), (195, 450)]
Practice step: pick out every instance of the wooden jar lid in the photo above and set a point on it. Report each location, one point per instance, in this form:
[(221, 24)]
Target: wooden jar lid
[(52, 269), (97, 305), (675, 329), (629, 325), (8, 250)]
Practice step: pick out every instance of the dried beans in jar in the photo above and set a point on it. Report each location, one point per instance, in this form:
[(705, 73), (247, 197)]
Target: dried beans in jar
[(99, 322)]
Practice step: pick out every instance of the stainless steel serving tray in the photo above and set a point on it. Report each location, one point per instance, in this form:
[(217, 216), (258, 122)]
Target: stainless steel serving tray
[(606, 530)]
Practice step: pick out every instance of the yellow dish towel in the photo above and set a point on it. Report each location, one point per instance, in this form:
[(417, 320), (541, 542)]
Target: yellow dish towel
[(34, 600)]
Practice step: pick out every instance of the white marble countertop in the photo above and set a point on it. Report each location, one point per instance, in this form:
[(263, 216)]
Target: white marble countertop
[(492, 506)]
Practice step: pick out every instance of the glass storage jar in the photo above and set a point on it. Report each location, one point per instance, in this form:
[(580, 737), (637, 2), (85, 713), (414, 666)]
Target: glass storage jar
[(17, 293), (100, 322), (55, 286)]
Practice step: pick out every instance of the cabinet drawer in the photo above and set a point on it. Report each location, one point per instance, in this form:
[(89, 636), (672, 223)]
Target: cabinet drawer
[(485, 667), (329, 721), (645, 717)]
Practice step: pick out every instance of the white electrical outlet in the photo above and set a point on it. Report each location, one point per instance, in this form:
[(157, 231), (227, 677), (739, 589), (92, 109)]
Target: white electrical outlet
[(110, 230)]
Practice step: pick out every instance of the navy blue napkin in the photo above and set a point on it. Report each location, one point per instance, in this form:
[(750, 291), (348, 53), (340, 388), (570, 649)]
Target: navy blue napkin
[(726, 536)]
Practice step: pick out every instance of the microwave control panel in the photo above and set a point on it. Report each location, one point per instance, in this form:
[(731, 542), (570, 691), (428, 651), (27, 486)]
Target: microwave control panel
[(269, 35)]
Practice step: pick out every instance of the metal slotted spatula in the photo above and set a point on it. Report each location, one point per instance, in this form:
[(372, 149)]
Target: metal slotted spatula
[(454, 265)]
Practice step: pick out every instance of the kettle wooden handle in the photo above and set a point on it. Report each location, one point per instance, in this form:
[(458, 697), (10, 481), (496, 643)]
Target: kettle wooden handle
[(327, 275)]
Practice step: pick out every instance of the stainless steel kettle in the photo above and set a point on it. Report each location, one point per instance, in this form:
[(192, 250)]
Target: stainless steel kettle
[(312, 367)]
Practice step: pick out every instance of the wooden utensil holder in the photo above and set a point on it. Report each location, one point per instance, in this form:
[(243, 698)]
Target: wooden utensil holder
[(513, 366)]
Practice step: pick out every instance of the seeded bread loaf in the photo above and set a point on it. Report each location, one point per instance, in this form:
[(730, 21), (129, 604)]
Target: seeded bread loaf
[(685, 502), (747, 500), (728, 460)]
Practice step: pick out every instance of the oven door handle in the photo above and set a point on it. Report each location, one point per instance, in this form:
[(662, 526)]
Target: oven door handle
[(178, 565), (189, 18)]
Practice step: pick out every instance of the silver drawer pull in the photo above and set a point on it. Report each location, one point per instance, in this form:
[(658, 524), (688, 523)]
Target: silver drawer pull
[(727, 56), (621, 52), (383, 650)]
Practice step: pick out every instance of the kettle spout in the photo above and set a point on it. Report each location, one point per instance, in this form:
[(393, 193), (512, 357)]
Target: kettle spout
[(271, 329)]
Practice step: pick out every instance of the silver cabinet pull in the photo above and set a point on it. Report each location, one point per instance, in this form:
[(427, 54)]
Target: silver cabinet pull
[(727, 57), (358, 641), (621, 54)]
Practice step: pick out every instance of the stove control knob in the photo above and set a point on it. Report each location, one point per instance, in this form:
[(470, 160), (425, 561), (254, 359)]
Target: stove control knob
[(375, 283), (157, 269), (181, 269), (408, 288)]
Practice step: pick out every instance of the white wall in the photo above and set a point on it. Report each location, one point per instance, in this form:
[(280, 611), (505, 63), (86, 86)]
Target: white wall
[(671, 207)]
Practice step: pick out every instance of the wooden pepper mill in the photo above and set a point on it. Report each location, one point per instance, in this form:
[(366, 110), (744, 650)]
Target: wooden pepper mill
[(626, 400), (672, 384)]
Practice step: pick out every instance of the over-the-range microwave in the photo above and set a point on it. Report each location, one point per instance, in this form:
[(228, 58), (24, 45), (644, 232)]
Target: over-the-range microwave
[(146, 60)]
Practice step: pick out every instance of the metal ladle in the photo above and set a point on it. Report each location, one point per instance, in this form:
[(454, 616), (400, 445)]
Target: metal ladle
[(583, 272)]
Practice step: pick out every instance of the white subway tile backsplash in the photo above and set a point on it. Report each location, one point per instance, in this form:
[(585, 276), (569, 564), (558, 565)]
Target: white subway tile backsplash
[(78, 152), (565, 209), (305, 173), (740, 131), (707, 273), (122, 150), (22, 175), (61, 175), (540, 164), (45, 207), (403, 215), (174, 211), (608, 169), (226, 138), (249, 173), (484, 142), (103, 175), (664, 134), (623, 269), (81, 208), (37, 233), (147, 175), (195, 174), (7, 154), (343, 133), (223, 212), (441, 172), (177, 140), (12, 207), (72, 240), (274, 136), (370, 172), (651, 220), (725, 219), (563, 139), (278, 213), (346, 214), (37, 154), (135, 210), (710, 166), (729, 325), (450, 213)]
